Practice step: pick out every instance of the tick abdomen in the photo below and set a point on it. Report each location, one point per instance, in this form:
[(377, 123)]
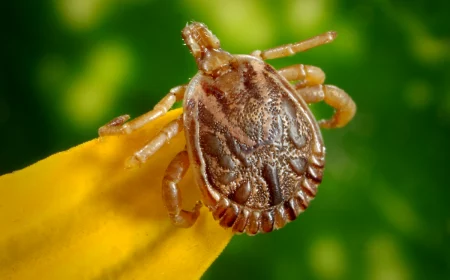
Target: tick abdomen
[(254, 137)]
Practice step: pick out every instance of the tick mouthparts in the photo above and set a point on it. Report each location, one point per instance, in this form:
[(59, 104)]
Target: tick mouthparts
[(198, 38), (205, 48)]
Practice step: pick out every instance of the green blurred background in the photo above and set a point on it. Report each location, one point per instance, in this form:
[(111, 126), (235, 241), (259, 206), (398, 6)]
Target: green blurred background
[(383, 209)]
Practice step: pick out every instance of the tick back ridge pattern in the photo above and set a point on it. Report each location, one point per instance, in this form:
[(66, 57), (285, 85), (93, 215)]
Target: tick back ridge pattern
[(257, 151)]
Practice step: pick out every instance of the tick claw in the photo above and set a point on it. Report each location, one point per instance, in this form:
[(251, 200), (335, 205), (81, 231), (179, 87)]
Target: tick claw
[(132, 162), (120, 120), (197, 206)]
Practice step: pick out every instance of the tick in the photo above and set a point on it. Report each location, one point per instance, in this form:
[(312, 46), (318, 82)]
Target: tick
[(256, 148)]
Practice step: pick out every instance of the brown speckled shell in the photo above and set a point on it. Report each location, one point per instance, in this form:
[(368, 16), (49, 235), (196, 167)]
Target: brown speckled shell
[(256, 149)]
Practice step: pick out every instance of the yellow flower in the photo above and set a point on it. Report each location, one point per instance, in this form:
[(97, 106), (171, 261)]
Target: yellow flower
[(79, 214)]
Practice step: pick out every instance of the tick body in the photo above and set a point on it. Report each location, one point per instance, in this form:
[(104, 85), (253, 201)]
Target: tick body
[(256, 148)]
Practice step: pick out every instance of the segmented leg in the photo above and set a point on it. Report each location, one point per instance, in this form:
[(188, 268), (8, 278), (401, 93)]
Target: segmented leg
[(306, 75), (172, 195), (165, 135), (118, 125), (343, 104), (291, 49), (311, 90)]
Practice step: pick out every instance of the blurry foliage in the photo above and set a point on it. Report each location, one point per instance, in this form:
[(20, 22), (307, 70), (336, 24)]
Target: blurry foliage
[(382, 211)]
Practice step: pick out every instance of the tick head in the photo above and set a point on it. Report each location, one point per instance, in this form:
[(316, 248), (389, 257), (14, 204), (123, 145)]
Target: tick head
[(205, 47), (199, 38)]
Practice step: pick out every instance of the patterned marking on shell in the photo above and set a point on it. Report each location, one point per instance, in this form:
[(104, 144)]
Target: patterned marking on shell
[(260, 150)]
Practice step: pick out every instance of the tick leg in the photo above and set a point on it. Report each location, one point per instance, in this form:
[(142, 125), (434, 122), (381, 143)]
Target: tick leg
[(291, 49), (307, 75), (171, 193), (343, 104), (118, 125), (165, 135)]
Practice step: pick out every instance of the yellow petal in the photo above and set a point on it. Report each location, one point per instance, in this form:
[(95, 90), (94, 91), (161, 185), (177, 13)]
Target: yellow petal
[(80, 215)]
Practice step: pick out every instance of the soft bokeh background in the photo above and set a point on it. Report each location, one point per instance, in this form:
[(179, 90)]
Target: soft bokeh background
[(383, 209)]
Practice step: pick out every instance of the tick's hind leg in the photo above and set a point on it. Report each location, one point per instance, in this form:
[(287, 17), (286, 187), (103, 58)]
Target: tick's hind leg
[(291, 49), (118, 125), (165, 135), (171, 193), (343, 104)]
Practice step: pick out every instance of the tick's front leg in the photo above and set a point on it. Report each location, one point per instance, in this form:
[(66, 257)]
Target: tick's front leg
[(343, 104), (171, 193), (291, 49), (118, 125)]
